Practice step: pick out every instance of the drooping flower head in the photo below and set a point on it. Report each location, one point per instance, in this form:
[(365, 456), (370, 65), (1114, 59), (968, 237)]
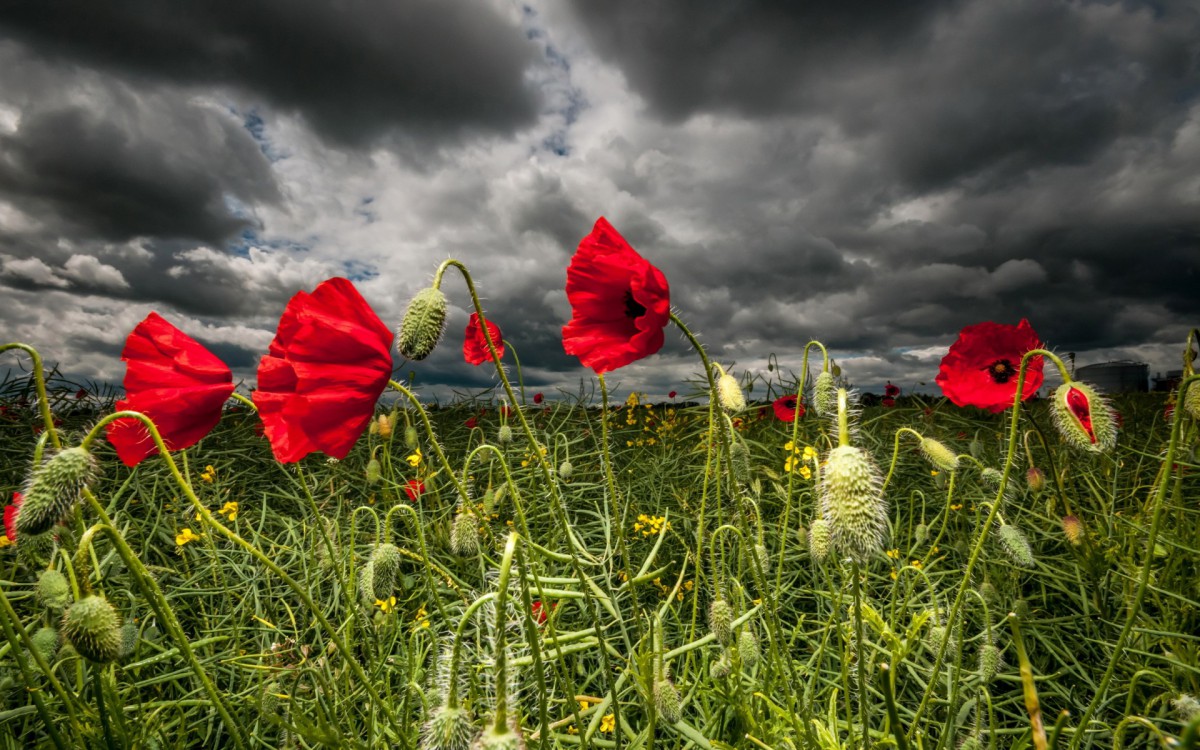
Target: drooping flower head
[(891, 390), (329, 361), (174, 380), (981, 367), (786, 408), (619, 302), (475, 348)]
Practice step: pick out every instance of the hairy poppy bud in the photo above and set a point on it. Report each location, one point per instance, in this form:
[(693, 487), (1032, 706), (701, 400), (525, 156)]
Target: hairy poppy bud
[(720, 621), (666, 701), (448, 728), (1035, 479), (45, 642), (508, 738), (920, 533), (53, 591), (385, 564), (384, 426), (825, 395), (410, 437), (939, 455), (1016, 546), (729, 393), (1084, 418), (819, 539), (764, 558), (565, 470), (852, 503), (374, 471), (93, 627), (129, 640), (464, 534), (54, 490), (1073, 529), (423, 325), (505, 436), (748, 647), (722, 667), (990, 662)]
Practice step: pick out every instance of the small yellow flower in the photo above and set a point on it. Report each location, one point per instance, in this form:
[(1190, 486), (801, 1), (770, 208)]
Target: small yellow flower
[(806, 472), (608, 723), (893, 575), (956, 506), (209, 475), (185, 536), (230, 510), (387, 605), (414, 459), (809, 453), (916, 564), (584, 704), (894, 553), (5, 541), (422, 618), (934, 472)]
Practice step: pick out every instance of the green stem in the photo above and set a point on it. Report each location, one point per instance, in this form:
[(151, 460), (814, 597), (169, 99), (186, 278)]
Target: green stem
[(39, 381), (500, 725)]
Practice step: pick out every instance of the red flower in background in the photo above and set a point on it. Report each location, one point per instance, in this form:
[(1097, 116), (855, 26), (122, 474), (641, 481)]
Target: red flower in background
[(619, 302), (982, 365), (786, 408), (174, 380), (471, 423), (475, 348), (671, 395), (888, 401), (414, 488), (81, 394), (540, 612), (10, 517), (891, 391), (329, 361), (538, 398)]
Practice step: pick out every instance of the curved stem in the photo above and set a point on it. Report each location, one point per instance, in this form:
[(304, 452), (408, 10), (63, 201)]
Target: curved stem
[(896, 453), (239, 397), (39, 381), (516, 363)]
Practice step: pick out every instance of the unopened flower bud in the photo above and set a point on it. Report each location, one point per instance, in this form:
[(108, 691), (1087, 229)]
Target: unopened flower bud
[(385, 564), (423, 325), (1083, 418), (666, 701), (566, 470), (825, 395), (93, 627), (990, 662), (1014, 543), (729, 393), (748, 647), (920, 533), (374, 471), (53, 591), (45, 642), (722, 667), (1073, 529), (852, 503), (464, 534), (1035, 479), (448, 729), (939, 455), (54, 490), (819, 539), (720, 621), (384, 426), (410, 437), (505, 436)]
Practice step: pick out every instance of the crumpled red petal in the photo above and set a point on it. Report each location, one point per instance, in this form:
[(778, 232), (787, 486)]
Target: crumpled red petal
[(475, 348)]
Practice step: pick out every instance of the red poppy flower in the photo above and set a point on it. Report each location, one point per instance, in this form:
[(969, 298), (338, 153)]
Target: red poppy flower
[(891, 391), (619, 302), (414, 488), (888, 401), (671, 394), (329, 361), (81, 394), (471, 423), (475, 348), (10, 517), (538, 398), (540, 612), (981, 367), (506, 411), (786, 407), (174, 380)]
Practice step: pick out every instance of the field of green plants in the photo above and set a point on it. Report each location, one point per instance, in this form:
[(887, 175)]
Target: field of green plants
[(754, 563)]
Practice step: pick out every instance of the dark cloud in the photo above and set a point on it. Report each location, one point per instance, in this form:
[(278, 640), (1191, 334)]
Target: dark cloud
[(433, 68)]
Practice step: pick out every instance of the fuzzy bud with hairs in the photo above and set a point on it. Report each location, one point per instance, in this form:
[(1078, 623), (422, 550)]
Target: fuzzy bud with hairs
[(53, 590), (667, 701), (819, 539), (1015, 545), (54, 490), (423, 324), (852, 503), (1084, 418), (448, 728), (385, 566), (748, 647), (720, 621), (990, 662), (93, 627), (825, 395), (729, 392), (939, 455), (464, 534)]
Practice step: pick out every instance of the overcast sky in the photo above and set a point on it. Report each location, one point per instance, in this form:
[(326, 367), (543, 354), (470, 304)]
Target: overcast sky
[(872, 175)]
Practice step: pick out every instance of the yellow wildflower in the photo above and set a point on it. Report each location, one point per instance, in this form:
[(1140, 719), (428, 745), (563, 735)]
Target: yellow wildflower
[(894, 553), (608, 723), (5, 541), (916, 564), (185, 536), (422, 618), (956, 506), (387, 605), (209, 475), (414, 459), (230, 510)]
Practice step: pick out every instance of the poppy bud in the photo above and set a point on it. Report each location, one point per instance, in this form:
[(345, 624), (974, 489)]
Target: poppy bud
[(505, 436), (385, 562), (129, 640), (423, 325), (53, 591), (410, 437), (748, 647), (269, 702), (36, 550), (464, 534), (93, 627), (1187, 708), (729, 393), (935, 636), (720, 621), (972, 742), (987, 591), (739, 457), (54, 490), (764, 557), (920, 533), (1021, 609), (448, 728), (1073, 529), (374, 471), (505, 739), (991, 477), (384, 426), (45, 642), (1035, 479), (939, 455), (819, 539), (990, 662), (825, 395), (666, 701), (1191, 401), (1084, 418), (565, 470), (366, 584), (852, 503), (1016, 546)]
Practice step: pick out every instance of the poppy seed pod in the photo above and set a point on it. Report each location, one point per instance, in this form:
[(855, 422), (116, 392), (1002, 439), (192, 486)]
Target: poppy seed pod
[(819, 539), (565, 470), (720, 621), (448, 728), (825, 394), (1016, 546), (666, 701), (1083, 418), (505, 435), (852, 503), (374, 471), (54, 490), (464, 534), (423, 324), (722, 667), (939, 455), (53, 591), (93, 627)]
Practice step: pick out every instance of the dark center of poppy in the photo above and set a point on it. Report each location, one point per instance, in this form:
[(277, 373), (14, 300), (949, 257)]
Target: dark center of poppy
[(790, 402), (1001, 370), (633, 309)]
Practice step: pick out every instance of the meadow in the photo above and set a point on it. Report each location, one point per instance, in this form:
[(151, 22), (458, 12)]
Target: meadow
[(771, 562)]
